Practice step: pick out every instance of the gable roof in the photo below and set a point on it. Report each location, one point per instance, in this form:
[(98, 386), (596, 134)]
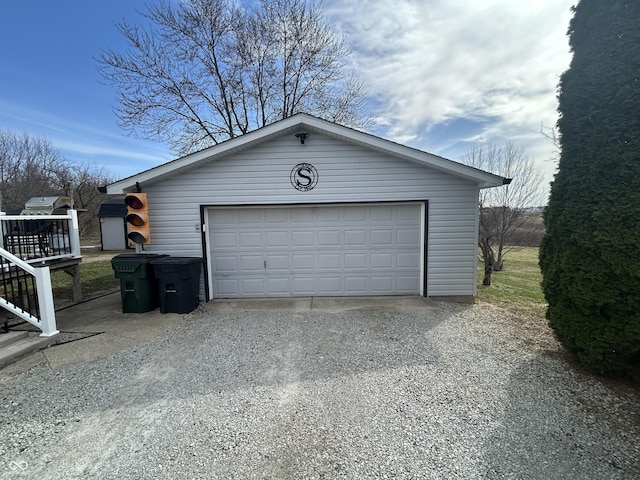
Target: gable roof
[(298, 123)]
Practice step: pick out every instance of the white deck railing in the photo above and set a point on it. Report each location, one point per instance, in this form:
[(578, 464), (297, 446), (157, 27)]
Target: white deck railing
[(41, 238), (21, 284), (28, 244)]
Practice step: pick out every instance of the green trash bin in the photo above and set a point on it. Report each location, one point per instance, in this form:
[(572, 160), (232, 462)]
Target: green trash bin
[(138, 287), (178, 283)]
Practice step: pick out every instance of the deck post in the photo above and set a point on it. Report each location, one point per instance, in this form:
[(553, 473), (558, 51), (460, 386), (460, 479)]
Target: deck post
[(74, 234), (45, 301)]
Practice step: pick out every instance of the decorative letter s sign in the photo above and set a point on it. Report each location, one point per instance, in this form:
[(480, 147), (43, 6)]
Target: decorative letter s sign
[(304, 177)]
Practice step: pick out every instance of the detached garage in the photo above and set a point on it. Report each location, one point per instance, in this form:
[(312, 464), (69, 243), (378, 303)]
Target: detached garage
[(306, 207)]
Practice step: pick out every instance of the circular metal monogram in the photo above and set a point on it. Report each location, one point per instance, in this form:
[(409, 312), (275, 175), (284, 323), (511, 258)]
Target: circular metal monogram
[(304, 177)]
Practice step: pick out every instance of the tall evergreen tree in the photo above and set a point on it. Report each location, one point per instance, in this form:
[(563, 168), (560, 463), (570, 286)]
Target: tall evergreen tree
[(590, 256)]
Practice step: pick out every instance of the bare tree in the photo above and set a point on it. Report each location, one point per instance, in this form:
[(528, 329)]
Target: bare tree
[(204, 71), (30, 167), (552, 134), (80, 182), (506, 209)]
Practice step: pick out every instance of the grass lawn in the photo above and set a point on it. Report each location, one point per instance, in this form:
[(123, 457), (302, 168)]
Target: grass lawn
[(516, 288), (96, 278)]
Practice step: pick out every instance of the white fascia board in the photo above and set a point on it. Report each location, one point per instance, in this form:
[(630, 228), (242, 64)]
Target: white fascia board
[(223, 149), (300, 122), (482, 178)]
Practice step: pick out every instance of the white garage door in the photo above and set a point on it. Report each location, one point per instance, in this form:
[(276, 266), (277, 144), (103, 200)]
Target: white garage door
[(315, 250)]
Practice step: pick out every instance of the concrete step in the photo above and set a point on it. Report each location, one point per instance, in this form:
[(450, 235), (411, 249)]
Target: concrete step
[(20, 345), (12, 337)]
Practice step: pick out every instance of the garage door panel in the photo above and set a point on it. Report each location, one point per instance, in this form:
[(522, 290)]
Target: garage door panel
[(407, 260), (356, 285), (276, 215), (250, 217), (277, 262), (253, 286), (303, 238), (382, 237), (277, 239), (317, 250), (330, 238), (356, 214), (279, 286), (330, 285), (227, 287), (408, 237), (224, 240), (329, 261), (329, 215), (355, 260), (225, 264), (406, 213), (251, 263), (382, 214), (306, 261), (382, 260), (302, 215), (407, 284), (226, 217), (304, 285), (381, 284), (355, 237), (250, 239)]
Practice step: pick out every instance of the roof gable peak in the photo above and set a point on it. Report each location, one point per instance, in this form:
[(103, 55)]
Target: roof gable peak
[(303, 125)]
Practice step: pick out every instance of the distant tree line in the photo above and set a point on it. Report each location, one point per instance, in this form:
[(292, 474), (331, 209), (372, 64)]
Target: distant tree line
[(31, 167), (527, 233)]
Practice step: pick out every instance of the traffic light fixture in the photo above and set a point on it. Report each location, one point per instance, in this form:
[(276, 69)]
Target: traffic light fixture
[(137, 219)]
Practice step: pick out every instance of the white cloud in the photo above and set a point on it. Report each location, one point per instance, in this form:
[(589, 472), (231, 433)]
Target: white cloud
[(429, 62)]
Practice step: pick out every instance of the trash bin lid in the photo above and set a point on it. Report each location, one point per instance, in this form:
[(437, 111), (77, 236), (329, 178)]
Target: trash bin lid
[(137, 257), (128, 263), (182, 266), (176, 260)]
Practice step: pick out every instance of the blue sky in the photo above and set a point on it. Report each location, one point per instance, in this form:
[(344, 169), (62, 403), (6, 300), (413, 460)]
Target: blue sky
[(441, 74)]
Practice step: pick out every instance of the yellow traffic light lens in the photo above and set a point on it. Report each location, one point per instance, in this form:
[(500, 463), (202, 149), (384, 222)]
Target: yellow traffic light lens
[(136, 220)]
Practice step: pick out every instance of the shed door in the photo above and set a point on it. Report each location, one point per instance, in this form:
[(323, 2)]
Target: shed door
[(344, 250)]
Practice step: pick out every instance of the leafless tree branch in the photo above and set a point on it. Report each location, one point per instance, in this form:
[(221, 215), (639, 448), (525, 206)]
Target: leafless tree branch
[(203, 71), (507, 209)]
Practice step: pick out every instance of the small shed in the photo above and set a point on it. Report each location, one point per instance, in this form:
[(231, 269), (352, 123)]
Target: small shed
[(113, 229), (308, 207)]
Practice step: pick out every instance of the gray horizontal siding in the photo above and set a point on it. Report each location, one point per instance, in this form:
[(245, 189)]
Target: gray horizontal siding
[(347, 173)]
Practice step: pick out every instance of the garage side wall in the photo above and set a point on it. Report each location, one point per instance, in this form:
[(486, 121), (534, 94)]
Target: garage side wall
[(347, 173)]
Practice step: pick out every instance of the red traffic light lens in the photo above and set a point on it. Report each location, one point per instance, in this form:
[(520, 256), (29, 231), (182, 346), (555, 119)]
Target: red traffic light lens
[(134, 202)]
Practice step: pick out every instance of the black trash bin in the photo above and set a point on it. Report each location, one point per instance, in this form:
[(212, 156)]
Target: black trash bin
[(138, 287), (178, 283)]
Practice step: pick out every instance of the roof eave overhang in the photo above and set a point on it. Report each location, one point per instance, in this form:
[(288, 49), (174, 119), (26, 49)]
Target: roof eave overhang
[(187, 162), (309, 124), (482, 178)]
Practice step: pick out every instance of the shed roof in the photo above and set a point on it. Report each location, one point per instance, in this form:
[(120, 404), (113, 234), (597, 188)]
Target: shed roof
[(305, 123), (113, 208)]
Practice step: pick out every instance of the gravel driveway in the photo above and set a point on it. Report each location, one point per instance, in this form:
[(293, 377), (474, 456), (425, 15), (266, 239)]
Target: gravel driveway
[(443, 391)]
